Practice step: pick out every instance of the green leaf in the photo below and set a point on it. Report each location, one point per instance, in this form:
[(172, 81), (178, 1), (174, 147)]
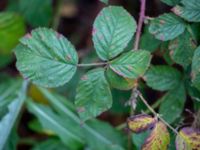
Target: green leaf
[(63, 127), (173, 104), (46, 58), (132, 64), (12, 27), (182, 49), (93, 95), (171, 2), (104, 1), (149, 42), (140, 123), (138, 139), (167, 27), (99, 135), (162, 77), (118, 82), (158, 139), (112, 31), (7, 122), (50, 144), (189, 11), (195, 68), (188, 139), (37, 12)]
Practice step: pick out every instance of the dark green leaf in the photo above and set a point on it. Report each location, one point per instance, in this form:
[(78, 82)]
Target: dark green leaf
[(104, 1), (132, 64), (37, 12), (46, 58), (113, 29), (167, 27), (93, 95), (173, 104), (171, 2), (189, 11), (182, 49), (162, 78), (195, 68)]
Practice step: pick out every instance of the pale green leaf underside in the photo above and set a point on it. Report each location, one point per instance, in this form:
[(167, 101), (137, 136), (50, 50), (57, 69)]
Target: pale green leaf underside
[(196, 68), (189, 11), (14, 107), (132, 64), (93, 95), (12, 27), (173, 104), (167, 27), (162, 78), (112, 31), (46, 58), (171, 2)]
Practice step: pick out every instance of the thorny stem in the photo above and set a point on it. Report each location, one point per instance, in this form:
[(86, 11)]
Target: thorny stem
[(140, 23), (156, 114), (92, 64)]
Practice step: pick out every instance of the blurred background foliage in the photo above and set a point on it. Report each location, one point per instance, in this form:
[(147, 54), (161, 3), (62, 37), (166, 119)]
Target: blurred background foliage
[(74, 19)]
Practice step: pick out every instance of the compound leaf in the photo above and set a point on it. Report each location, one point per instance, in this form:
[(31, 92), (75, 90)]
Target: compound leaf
[(195, 68), (132, 64), (188, 139), (113, 29), (93, 95), (189, 11), (46, 58), (140, 123), (162, 77), (158, 139), (167, 27)]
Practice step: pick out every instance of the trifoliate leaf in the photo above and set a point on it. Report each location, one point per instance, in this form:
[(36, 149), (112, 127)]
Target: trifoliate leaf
[(189, 11), (112, 31), (46, 58), (182, 49), (132, 64), (171, 2), (12, 27), (195, 69), (162, 77), (158, 139), (119, 82), (140, 123), (188, 139), (167, 27), (173, 104), (93, 95), (37, 13)]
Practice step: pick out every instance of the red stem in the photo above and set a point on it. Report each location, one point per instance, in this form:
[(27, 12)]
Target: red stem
[(140, 23)]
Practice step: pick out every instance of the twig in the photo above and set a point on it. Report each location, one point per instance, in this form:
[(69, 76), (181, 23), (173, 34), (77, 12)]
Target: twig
[(156, 114), (140, 23)]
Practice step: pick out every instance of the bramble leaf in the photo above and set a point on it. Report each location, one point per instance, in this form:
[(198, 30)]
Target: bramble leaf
[(188, 139), (140, 123), (12, 27), (195, 69), (182, 49), (171, 2), (93, 95), (132, 64), (158, 139), (173, 104), (112, 31), (162, 77), (46, 58), (167, 27), (189, 11), (119, 82)]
